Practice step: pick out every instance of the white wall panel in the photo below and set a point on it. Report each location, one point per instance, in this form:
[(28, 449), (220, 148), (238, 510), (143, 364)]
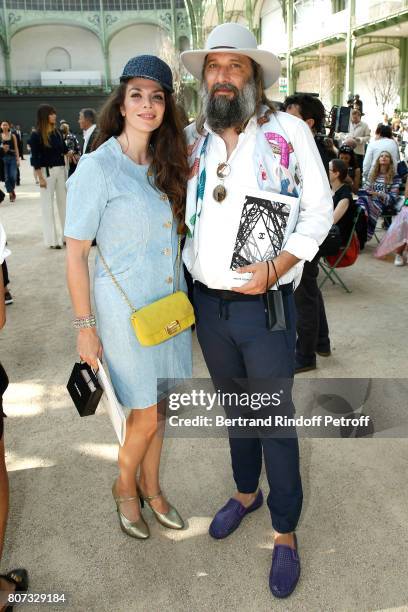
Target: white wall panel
[(136, 40), (363, 79), (29, 49), (273, 33)]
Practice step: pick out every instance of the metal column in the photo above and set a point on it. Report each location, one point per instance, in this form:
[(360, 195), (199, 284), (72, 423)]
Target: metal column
[(7, 48), (105, 47), (289, 59), (350, 43), (403, 74)]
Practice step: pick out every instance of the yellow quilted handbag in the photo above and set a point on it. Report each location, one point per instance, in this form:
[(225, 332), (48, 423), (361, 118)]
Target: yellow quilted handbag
[(164, 318)]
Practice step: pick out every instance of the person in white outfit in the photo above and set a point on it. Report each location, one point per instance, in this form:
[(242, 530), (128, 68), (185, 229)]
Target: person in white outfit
[(357, 136), (383, 142), (48, 150)]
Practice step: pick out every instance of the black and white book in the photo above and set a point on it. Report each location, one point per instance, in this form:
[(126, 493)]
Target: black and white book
[(263, 227)]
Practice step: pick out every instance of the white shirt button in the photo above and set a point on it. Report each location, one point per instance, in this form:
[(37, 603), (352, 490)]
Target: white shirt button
[(169, 280), (166, 251)]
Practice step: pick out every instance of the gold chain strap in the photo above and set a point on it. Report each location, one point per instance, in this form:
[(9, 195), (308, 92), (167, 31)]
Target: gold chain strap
[(178, 259), (115, 282)]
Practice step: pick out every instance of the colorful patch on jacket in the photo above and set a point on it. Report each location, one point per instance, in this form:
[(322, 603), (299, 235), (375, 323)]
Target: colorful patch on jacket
[(280, 147)]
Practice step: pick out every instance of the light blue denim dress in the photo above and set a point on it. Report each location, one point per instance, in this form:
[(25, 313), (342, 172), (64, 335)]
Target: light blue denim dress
[(111, 198)]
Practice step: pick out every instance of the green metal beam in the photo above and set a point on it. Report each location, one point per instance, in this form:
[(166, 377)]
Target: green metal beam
[(289, 56), (6, 48), (384, 22), (249, 13), (392, 41), (220, 11), (356, 32), (174, 36), (193, 23), (324, 42), (350, 45), (403, 74), (199, 9), (105, 47)]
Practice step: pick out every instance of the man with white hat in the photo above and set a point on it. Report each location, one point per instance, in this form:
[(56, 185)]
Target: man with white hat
[(241, 150)]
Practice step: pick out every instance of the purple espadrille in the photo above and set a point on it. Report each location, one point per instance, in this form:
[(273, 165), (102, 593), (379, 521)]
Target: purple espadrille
[(285, 570), (230, 516)]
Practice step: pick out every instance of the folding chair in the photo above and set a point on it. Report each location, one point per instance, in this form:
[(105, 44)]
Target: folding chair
[(330, 270)]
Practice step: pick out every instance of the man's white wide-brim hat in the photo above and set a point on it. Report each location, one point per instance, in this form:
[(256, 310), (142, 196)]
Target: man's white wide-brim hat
[(233, 38)]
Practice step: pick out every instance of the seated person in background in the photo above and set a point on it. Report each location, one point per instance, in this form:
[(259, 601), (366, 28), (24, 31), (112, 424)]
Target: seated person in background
[(396, 239), (380, 192), (383, 142), (344, 208), (312, 327), (346, 154)]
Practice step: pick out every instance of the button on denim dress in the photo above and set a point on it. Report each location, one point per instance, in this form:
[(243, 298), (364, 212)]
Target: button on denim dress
[(112, 199)]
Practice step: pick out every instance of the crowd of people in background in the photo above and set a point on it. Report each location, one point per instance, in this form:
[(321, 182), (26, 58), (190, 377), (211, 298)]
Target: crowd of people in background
[(60, 155), (375, 174), (365, 174)]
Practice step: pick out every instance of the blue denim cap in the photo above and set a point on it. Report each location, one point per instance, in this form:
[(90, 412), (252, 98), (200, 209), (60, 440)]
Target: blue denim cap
[(149, 67)]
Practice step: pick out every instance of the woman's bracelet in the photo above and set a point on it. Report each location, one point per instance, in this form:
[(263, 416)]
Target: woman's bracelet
[(84, 322)]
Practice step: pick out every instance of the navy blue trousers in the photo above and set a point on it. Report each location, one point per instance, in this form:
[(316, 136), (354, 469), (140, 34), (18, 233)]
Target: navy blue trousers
[(237, 345)]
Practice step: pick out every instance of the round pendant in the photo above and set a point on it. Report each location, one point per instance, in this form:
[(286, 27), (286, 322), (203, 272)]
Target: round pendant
[(223, 170), (219, 193)]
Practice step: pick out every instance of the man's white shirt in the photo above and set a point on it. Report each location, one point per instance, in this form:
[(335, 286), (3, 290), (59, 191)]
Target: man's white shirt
[(219, 220), (87, 134), (361, 133)]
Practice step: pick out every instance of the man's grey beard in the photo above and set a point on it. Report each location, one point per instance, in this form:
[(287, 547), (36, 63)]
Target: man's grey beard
[(222, 112)]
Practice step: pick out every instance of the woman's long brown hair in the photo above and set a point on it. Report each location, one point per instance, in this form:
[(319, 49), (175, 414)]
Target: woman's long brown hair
[(169, 165), (389, 177), (44, 127)]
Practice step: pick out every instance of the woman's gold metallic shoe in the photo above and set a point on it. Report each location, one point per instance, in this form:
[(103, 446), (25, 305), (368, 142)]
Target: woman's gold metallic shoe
[(137, 529), (170, 519)]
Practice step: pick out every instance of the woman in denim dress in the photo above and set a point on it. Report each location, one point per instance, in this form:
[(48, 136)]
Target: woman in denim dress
[(129, 194)]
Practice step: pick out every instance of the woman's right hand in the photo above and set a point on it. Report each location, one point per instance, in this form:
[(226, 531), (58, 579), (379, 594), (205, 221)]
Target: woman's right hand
[(89, 346), (43, 183)]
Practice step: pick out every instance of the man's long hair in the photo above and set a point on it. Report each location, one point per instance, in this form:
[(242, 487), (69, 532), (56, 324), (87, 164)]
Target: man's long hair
[(169, 165), (260, 99)]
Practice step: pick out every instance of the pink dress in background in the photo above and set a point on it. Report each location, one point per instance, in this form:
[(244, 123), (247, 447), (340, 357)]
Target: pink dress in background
[(396, 236)]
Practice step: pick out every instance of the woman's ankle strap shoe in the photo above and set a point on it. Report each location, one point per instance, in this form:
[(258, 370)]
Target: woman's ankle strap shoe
[(135, 529), (170, 519)]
